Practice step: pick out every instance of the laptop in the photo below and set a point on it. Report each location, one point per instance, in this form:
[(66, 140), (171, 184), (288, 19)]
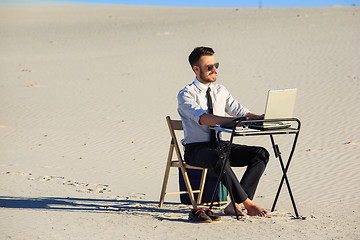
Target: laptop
[(279, 104)]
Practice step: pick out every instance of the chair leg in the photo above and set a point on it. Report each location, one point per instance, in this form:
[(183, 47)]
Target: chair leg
[(202, 185), (189, 188), (186, 180), (166, 176)]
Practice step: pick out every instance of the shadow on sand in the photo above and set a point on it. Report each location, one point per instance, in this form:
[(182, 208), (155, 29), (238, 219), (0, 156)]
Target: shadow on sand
[(128, 206)]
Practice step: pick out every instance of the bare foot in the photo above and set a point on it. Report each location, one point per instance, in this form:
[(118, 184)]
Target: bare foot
[(259, 212), (229, 210), (253, 209)]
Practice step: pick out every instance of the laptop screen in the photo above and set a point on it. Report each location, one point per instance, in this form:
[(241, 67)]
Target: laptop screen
[(280, 103)]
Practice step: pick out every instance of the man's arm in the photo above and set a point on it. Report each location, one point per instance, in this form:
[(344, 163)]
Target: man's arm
[(213, 120)]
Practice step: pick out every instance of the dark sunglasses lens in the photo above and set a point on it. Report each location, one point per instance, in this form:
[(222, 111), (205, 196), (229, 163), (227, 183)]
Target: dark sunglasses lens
[(210, 67)]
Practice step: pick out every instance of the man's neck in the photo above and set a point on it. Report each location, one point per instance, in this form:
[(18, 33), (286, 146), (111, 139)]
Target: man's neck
[(206, 83)]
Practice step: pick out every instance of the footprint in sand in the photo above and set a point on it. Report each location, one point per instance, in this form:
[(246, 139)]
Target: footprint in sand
[(328, 150), (316, 150), (352, 143), (17, 173), (81, 187)]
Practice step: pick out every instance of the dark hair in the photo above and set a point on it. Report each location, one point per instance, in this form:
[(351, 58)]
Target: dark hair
[(197, 53)]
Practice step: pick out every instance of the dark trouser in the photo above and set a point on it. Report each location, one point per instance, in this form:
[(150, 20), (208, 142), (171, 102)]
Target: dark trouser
[(254, 158)]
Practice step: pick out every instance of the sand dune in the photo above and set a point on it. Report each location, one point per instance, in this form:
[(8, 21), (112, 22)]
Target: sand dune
[(85, 90)]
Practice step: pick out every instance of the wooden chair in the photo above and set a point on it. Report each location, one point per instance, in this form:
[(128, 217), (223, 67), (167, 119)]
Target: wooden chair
[(176, 125)]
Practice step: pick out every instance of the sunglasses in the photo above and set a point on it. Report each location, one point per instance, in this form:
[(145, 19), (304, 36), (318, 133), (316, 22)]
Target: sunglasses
[(210, 67)]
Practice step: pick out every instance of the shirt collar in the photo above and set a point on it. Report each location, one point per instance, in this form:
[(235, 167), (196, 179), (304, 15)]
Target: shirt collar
[(201, 86)]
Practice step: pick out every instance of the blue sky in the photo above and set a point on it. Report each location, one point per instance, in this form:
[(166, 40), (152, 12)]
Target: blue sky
[(233, 3), (217, 3)]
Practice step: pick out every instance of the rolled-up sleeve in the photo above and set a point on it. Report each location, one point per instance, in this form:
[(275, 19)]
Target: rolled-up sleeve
[(188, 107)]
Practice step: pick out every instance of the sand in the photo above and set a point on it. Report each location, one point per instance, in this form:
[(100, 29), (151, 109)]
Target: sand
[(85, 89)]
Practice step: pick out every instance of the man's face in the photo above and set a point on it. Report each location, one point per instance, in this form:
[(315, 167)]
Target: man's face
[(202, 72)]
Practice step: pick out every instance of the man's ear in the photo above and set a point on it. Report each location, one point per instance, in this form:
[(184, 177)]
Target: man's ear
[(196, 69)]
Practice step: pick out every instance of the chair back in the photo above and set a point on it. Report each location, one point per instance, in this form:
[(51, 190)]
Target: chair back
[(175, 125)]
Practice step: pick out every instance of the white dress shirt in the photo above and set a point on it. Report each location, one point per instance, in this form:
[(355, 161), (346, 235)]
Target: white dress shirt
[(192, 103)]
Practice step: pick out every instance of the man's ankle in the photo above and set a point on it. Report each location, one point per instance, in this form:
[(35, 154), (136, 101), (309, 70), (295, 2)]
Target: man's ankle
[(248, 203)]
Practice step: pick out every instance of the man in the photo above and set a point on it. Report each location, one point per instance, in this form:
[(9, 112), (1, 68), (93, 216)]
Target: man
[(200, 146)]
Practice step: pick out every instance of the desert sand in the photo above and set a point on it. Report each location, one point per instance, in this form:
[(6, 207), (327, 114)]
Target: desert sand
[(85, 89)]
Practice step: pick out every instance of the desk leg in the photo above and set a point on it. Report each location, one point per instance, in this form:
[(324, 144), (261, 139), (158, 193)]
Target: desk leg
[(224, 157), (284, 170)]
